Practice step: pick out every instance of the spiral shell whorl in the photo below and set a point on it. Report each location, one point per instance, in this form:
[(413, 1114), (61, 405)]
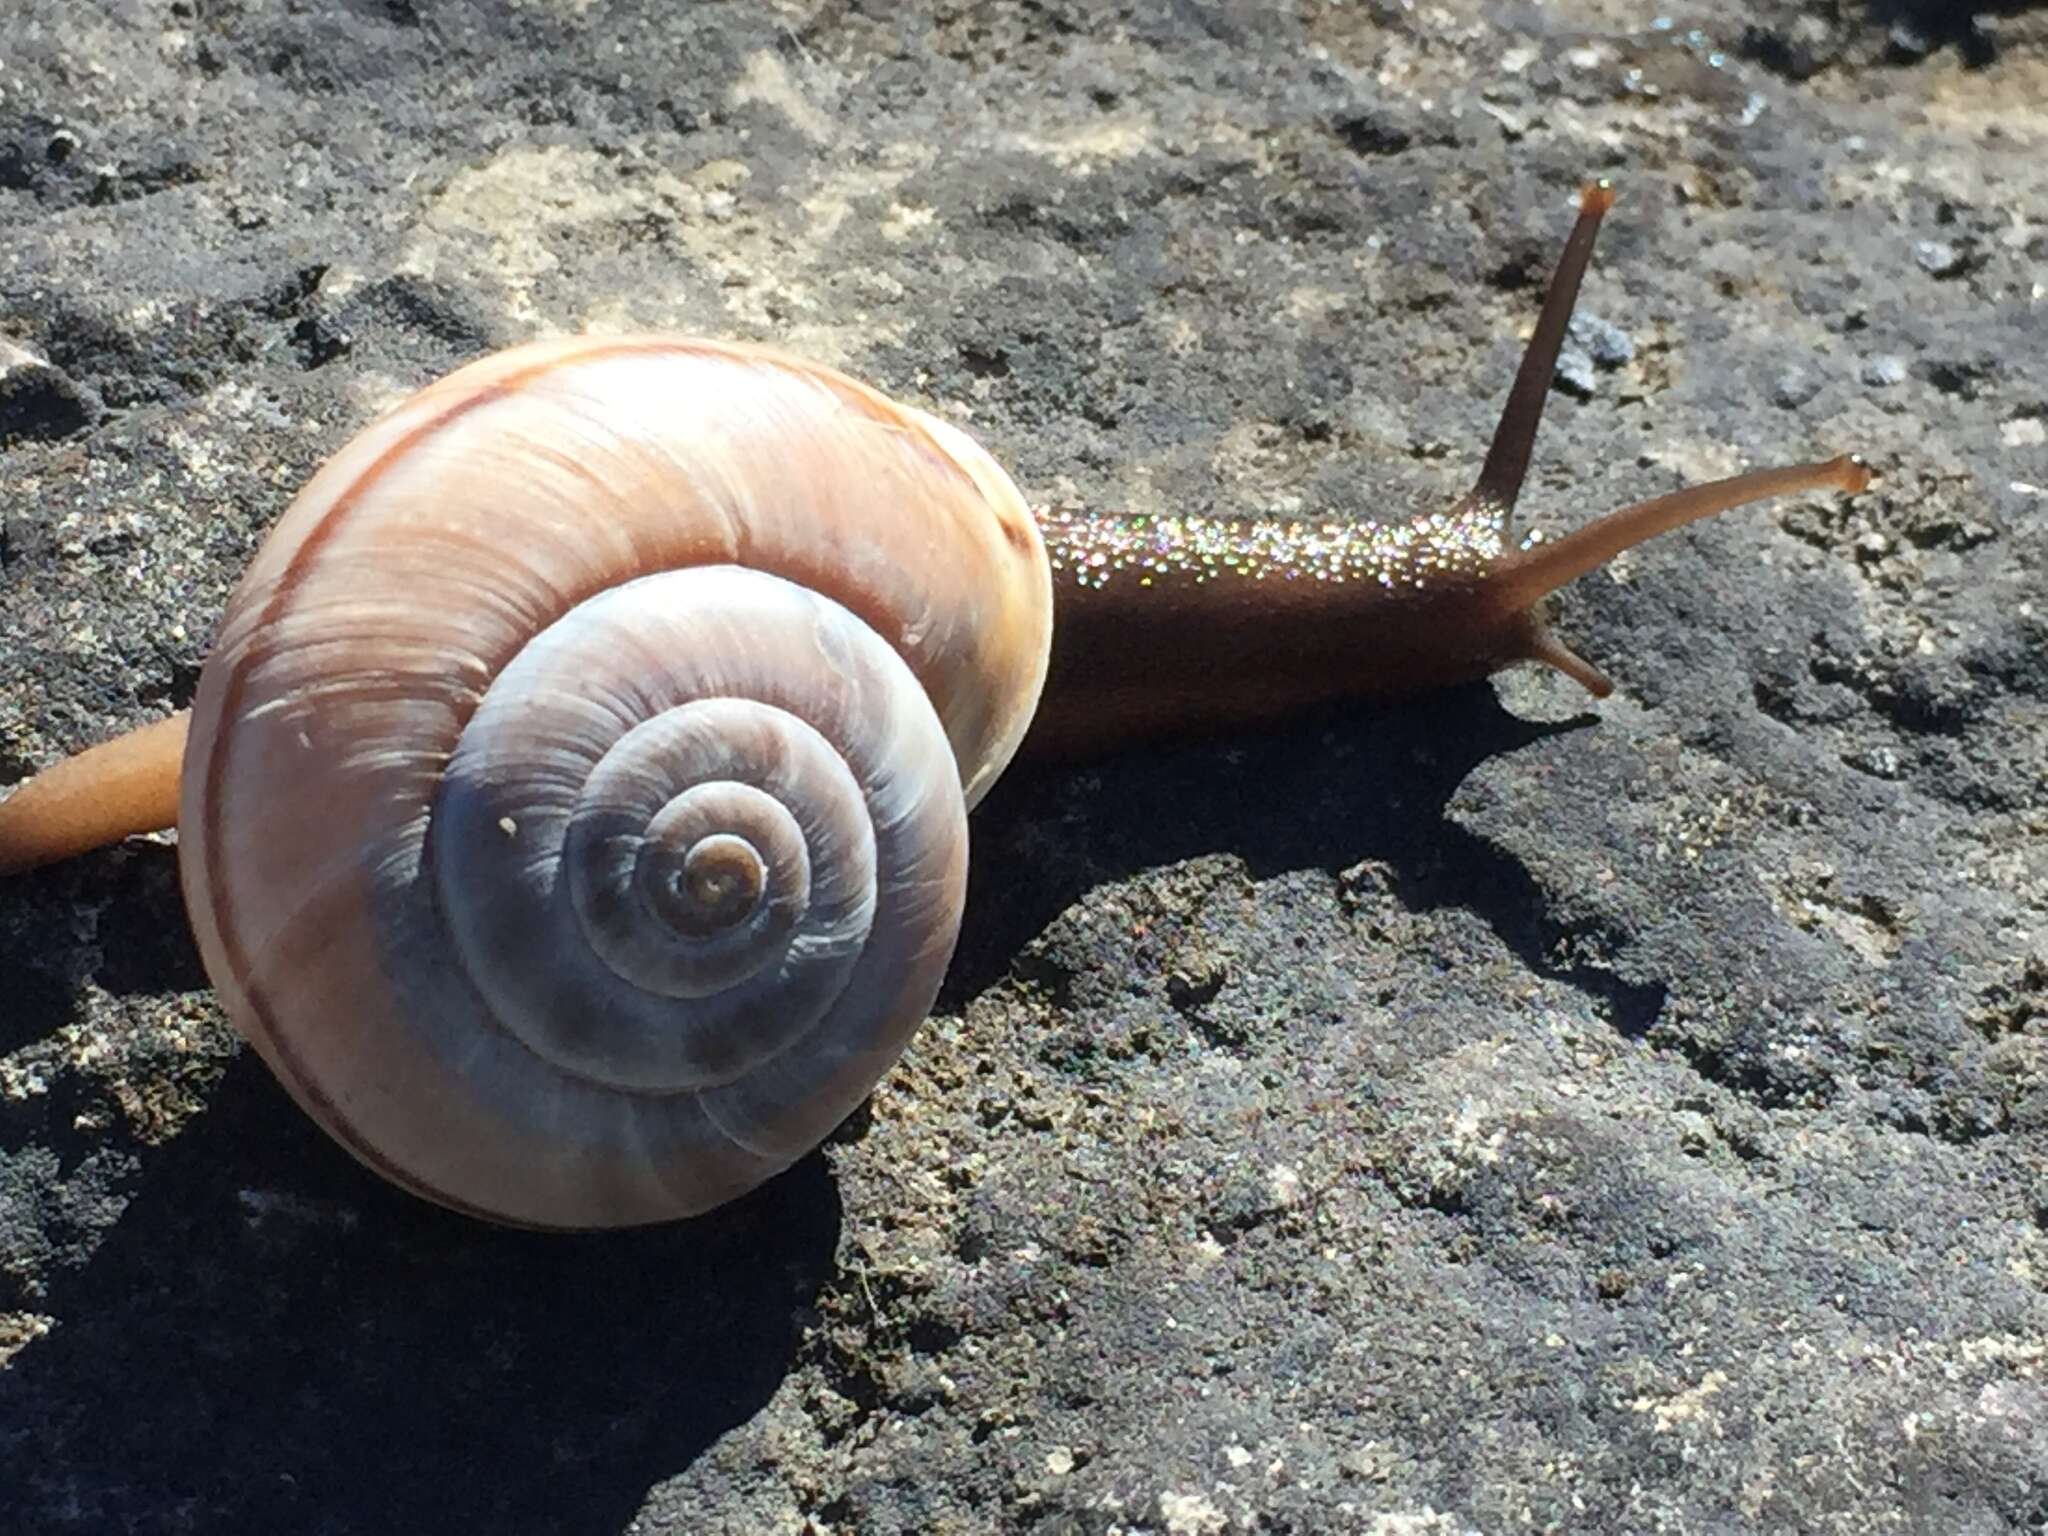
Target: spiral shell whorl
[(776, 707), (465, 698)]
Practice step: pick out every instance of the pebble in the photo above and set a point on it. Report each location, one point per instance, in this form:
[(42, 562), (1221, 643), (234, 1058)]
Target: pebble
[(1594, 344), (1605, 342), (1575, 371), (1883, 372), (1938, 257)]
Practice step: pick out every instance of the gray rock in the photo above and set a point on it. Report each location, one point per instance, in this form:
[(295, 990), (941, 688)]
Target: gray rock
[(1885, 371), (1466, 1116)]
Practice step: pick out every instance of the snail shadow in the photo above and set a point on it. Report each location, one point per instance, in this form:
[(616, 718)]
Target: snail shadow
[(1356, 785), (130, 891), (270, 1339)]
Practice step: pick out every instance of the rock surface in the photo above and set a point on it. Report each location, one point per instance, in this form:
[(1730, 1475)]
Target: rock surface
[(1495, 1114)]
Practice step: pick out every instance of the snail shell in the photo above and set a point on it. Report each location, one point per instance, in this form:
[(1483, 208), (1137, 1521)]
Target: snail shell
[(574, 809)]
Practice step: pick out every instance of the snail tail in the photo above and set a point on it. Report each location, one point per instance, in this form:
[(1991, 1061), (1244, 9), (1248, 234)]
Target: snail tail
[(105, 793)]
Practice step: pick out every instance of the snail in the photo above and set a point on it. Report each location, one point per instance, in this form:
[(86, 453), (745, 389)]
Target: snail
[(573, 809)]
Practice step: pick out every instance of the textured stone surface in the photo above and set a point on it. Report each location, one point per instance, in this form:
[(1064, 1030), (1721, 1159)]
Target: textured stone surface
[(1493, 1114)]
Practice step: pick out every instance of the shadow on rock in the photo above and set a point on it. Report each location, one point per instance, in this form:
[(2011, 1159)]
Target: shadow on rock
[(1919, 27), (117, 913), (1363, 784), (270, 1339), (146, 906)]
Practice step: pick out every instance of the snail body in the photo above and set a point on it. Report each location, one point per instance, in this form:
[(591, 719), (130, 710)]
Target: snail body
[(573, 811)]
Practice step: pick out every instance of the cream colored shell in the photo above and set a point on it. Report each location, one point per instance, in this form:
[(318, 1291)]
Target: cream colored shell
[(507, 666)]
